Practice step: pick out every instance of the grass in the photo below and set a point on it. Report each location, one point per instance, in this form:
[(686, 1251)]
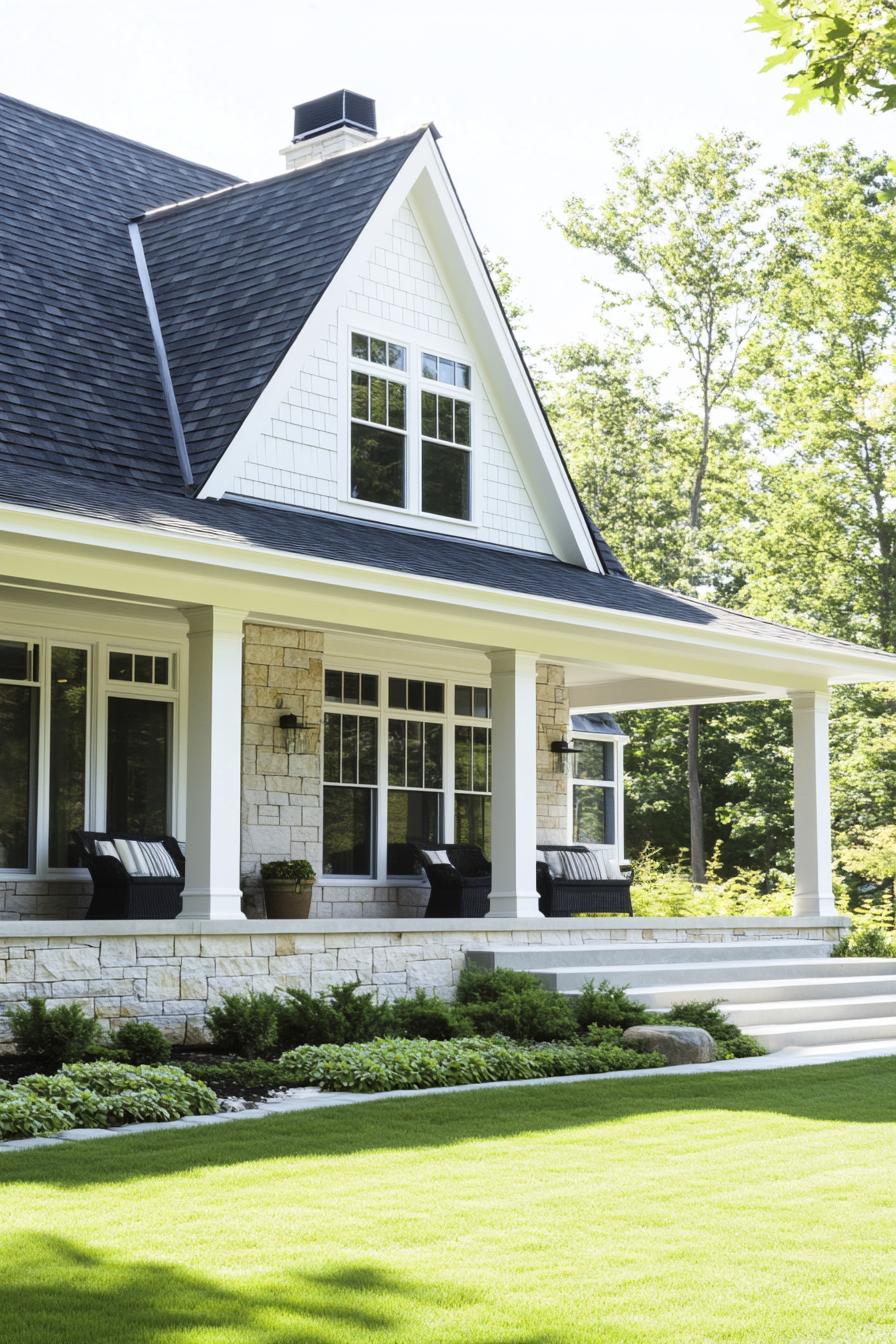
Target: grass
[(752, 1207)]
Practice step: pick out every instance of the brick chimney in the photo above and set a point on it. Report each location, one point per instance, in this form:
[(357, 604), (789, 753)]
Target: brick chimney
[(334, 124)]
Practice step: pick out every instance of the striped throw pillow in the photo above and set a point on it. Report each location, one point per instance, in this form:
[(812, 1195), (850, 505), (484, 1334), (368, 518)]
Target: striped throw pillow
[(145, 858), (581, 865)]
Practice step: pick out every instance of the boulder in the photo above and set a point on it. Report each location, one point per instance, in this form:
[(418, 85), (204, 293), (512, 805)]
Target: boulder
[(677, 1045)]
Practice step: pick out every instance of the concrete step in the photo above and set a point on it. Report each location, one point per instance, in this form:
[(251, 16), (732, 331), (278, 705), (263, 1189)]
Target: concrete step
[(537, 956), (751, 1016), (781, 1036), (695, 976), (733, 991)]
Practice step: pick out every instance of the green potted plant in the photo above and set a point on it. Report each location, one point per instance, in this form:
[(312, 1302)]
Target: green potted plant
[(287, 888)]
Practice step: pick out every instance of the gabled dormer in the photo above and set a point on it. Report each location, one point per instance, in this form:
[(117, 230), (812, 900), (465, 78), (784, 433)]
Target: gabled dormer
[(334, 343)]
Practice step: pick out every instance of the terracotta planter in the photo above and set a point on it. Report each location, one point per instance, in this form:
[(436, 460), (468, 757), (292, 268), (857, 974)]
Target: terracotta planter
[(285, 899)]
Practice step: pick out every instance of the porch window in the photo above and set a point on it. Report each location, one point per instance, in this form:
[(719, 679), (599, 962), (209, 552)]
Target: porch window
[(593, 792), (19, 722), (138, 766), (68, 752), (415, 790), (350, 780)]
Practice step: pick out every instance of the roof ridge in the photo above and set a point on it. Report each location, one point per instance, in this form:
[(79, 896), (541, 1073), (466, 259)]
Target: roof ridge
[(160, 211), (112, 135)]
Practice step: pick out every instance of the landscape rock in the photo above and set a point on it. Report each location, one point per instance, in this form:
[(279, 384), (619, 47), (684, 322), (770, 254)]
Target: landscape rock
[(677, 1045)]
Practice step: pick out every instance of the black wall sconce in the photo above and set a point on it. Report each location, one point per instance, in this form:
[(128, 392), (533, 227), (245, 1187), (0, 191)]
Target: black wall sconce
[(292, 726), (563, 752)]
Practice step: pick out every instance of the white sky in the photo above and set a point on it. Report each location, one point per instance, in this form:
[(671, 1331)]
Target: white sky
[(524, 93)]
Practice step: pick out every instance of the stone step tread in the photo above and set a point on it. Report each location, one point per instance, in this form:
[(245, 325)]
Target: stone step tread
[(808, 982), (835, 1003), (647, 944), (857, 1024), (808, 962)]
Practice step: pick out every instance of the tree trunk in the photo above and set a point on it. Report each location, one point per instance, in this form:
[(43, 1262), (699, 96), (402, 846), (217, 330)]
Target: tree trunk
[(695, 798)]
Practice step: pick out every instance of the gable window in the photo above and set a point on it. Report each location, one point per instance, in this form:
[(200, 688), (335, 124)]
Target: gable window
[(407, 772), (449, 371), (445, 473), (378, 425)]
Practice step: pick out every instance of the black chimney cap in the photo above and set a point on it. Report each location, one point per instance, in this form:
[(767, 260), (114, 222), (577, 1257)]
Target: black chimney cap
[(342, 108)]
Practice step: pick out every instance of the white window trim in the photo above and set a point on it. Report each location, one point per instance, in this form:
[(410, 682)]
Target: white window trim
[(416, 345), (99, 687), (615, 847), (383, 713)]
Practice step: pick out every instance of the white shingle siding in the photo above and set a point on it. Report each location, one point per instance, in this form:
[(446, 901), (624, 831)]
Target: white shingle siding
[(296, 460)]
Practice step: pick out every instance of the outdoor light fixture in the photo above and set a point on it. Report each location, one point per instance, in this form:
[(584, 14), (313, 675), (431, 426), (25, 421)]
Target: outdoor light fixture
[(563, 750), (292, 725)]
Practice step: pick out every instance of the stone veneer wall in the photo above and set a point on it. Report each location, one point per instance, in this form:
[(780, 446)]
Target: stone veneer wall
[(552, 722), (30, 898), (168, 975)]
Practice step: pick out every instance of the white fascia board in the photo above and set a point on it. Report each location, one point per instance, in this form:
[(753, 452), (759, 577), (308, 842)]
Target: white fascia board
[(424, 180), (145, 545)]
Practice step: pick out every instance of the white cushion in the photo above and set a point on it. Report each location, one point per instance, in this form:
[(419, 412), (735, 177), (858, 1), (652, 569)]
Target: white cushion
[(436, 856), (145, 858), (553, 859), (105, 849), (614, 872)]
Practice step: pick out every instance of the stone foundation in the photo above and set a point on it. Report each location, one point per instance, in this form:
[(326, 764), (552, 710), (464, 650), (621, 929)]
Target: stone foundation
[(167, 973)]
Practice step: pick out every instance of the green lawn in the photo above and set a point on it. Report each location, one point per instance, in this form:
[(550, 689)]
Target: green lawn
[(752, 1207)]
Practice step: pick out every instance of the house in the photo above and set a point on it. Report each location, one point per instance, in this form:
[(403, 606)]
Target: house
[(291, 562)]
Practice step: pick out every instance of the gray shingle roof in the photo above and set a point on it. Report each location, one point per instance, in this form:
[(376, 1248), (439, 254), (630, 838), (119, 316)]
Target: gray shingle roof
[(79, 385), (236, 276), (401, 550)]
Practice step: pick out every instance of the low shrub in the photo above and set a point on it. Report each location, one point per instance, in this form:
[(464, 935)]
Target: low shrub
[(100, 1095), (509, 1003), (597, 1035), (141, 1043), (425, 1016), (59, 1035), (24, 1115), (342, 1013), (391, 1063), (732, 1043), (865, 942), (249, 1075), (607, 1006), (245, 1024)]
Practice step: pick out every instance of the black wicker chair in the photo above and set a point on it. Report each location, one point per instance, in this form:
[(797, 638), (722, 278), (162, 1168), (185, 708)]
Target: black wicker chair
[(561, 896), (459, 889), (117, 894)]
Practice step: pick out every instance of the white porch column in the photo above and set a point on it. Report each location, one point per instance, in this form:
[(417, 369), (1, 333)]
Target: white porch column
[(514, 785), (214, 756), (811, 804)]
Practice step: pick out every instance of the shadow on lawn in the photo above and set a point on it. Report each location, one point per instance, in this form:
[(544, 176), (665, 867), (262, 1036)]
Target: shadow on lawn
[(54, 1290), (859, 1092)]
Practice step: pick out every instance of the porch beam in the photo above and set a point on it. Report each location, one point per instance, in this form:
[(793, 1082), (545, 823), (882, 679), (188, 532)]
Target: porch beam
[(814, 893), (514, 788), (214, 751)]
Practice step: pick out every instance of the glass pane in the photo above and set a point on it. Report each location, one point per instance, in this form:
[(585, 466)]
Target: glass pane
[(68, 747), (397, 751), (161, 676), (351, 687), (462, 375), (137, 776), (463, 757), (360, 396), (396, 405), (429, 410), (18, 734), (463, 700), (398, 693), (377, 350), (462, 422), (594, 760), (481, 702), (446, 419), (349, 749), (592, 815), (121, 667), (370, 689), (432, 755), (446, 481), (473, 820), (378, 392), (446, 370), (377, 466), (397, 357), (415, 818), (435, 697), (359, 346), (430, 366), (332, 746), (414, 777), (415, 695), (367, 752), (481, 762), (14, 660), (143, 668), (348, 832), (332, 685)]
